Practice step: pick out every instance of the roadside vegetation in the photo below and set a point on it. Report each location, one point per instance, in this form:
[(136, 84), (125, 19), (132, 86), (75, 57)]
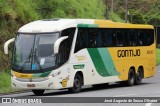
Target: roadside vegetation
[(5, 82), (158, 56)]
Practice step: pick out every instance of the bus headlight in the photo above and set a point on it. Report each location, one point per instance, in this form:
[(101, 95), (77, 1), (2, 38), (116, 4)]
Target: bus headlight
[(53, 75), (50, 76), (14, 77)]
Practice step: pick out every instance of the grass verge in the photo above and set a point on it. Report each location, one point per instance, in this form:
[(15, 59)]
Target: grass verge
[(157, 56), (5, 82)]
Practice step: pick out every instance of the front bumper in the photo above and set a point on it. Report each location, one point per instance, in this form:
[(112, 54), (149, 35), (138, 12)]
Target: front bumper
[(46, 84)]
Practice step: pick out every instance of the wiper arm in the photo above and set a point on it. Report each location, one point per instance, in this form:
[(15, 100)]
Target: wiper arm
[(28, 59), (36, 59)]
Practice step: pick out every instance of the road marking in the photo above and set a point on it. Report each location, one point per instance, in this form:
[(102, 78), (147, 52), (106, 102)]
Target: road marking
[(148, 104), (124, 95)]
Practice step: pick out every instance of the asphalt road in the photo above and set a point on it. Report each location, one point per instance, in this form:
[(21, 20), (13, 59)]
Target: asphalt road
[(149, 88)]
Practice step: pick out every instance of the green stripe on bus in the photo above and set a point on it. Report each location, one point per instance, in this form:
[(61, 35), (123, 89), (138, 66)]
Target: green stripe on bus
[(108, 62), (102, 61), (45, 74), (36, 75), (87, 25), (98, 62)]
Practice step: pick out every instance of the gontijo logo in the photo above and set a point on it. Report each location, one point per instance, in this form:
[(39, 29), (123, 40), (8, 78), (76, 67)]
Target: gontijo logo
[(128, 53)]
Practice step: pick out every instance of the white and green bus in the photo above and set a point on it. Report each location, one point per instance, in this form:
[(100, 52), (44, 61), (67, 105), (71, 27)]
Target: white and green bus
[(71, 53)]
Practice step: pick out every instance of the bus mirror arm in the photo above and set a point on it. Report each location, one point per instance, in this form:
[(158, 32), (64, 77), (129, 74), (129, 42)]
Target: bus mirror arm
[(6, 45), (57, 43)]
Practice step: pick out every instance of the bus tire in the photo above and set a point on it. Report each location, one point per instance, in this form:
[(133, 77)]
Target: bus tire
[(105, 85), (38, 92), (131, 77), (77, 84), (139, 76)]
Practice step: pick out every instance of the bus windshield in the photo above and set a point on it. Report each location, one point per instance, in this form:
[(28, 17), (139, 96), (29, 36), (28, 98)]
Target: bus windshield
[(34, 52)]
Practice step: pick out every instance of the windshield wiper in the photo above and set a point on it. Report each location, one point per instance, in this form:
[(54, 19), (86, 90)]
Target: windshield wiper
[(28, 59), (36, 59)]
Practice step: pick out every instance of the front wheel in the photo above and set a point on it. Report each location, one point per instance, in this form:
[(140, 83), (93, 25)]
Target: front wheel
[(77, 84), (38, 92)]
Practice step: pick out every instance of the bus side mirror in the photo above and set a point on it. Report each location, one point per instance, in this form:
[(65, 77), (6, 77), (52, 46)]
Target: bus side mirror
[(57, 43), (6, 45)]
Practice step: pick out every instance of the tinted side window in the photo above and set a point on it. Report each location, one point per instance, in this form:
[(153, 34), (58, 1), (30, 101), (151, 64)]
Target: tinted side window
[(65, 46), (95, 37), (110, 37), (104, 38), (133, 38), (145, 37), (126, 41), (89, 38), (150, 37), (83, 40), (120, 37), (141, 37)]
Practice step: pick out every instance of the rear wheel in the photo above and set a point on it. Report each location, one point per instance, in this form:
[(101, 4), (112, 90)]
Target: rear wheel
[(77, 84), (131, 78), (38, 92), (139, 76)]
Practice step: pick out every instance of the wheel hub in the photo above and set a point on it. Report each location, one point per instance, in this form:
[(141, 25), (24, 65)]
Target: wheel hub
[(77, 83)]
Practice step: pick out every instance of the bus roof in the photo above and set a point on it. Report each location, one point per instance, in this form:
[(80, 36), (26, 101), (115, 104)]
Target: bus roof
[(54, 25)]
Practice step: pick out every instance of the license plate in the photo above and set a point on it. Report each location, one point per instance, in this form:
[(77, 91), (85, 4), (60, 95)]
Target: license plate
[(30, 85)]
